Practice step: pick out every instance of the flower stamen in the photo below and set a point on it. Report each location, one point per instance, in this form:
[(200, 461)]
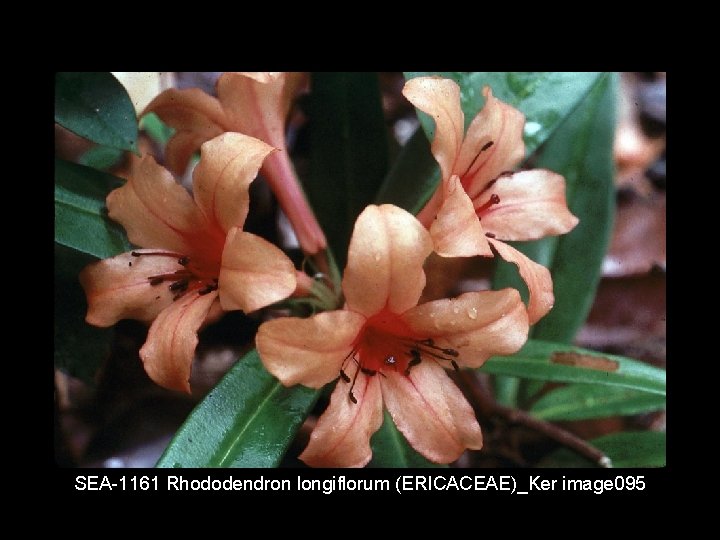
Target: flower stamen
[(414, 361), (158, 254), (208, 289), (494, 199), (180, 285), (350, 393), (484, 148)]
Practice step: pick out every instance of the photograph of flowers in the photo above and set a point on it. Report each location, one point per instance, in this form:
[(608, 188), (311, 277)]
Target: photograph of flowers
[(360, 269)]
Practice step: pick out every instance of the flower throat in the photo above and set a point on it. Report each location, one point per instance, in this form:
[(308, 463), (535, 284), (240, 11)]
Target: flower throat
[(386, 343)]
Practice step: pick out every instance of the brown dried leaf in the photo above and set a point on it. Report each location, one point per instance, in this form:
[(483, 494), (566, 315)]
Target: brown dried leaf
[(584, 361)]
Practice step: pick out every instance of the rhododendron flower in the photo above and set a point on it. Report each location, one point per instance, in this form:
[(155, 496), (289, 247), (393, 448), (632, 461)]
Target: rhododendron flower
[(198, 261), (480, 201), (255, 104), (388, 350)]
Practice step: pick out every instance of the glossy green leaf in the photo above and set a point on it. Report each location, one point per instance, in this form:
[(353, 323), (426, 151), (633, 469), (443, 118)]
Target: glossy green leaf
[(101, 157), (349, 150), (79, 348), (535, 361), (414, 176), (96, 106), (582, 401), (580, 150), (545, 98), (390, 449), (80, 219), (626, 449), (248, 420), (156, 129)]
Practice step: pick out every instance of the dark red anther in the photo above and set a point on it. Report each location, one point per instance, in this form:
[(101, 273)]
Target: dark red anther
[(486, 146), (454, 365), (207, 289), (352, 397), (490, 235), (414, 361), (180, 286), (156, 280), (494, 199), (183, 261), (344, 376), (368, 372)]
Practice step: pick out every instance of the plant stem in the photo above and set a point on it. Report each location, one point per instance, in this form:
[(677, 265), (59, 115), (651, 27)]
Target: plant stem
[(479, 392)]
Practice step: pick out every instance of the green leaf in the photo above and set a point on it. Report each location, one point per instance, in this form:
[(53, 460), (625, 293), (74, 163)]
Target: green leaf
[(535, 361), (248, 420), (79, 348), (156, 129), (582, 401), (545, 98), (101, 157), (413, 177), (626, 449), (580, 150), (390, 449), (349, 150), (96, 106), (80, 221)]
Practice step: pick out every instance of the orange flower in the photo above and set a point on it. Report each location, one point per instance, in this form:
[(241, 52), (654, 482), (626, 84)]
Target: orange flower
[(387, 349), (255, 104), (199, 261), (480, 202)]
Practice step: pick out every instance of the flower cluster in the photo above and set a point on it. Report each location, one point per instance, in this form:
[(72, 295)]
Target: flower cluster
[(382, 349)]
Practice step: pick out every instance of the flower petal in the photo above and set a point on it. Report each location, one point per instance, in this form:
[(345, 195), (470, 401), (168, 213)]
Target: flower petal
[(341, 437), (431, 412), (170, 347), (119, 288), (155, 210), (280, 175), (537, 278), (254, 273), (221, 181), (456, 230), (477, 325), (387, 250), (261, 76), (181, 147), (197, 117), (440, 98), (258, 104), (532, 205), (308, 351), (501, 125)]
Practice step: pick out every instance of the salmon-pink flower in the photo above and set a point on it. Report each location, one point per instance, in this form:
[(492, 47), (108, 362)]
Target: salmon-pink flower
[(198, 261), (255, 104), (388, 350), (480, 201)]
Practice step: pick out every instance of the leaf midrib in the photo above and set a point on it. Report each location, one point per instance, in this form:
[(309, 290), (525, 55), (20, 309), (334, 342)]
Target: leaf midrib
[(235, 440)]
